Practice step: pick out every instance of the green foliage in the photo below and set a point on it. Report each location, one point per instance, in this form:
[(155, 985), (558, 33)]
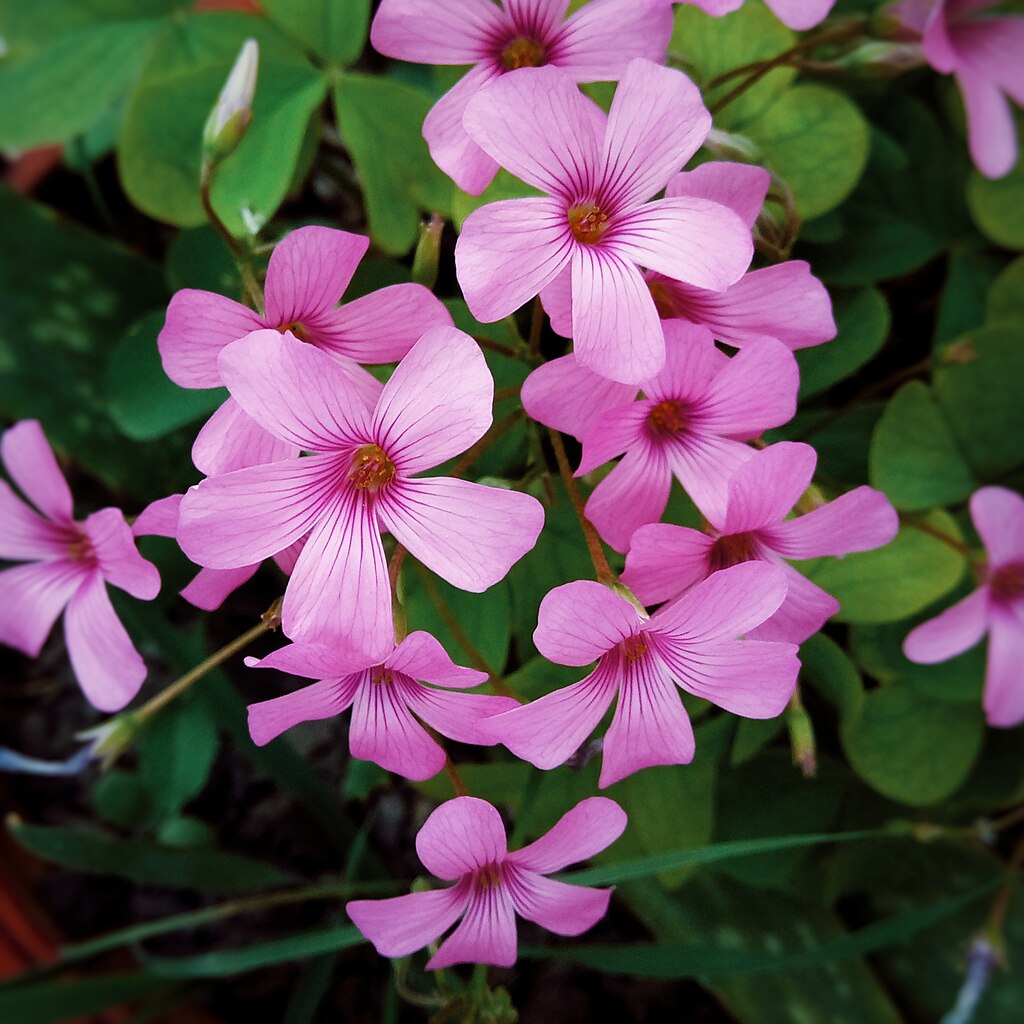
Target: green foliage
[(998, 207), (335, 32)]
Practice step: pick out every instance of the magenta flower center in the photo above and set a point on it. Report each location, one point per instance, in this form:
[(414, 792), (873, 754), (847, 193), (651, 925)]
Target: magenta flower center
[(523, 52), (1007, 582), (731, 550), (667, 418), (489, 876), (633, 647), (587, 222), (371, 468), (80, 549)]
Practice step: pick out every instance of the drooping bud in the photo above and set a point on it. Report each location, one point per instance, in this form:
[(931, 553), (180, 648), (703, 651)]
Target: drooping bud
[(232, 112), (428, 249)]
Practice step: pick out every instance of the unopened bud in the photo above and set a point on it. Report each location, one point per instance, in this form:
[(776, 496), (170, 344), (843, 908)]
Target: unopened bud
[(878, 59), (233, 110), (428, 250)]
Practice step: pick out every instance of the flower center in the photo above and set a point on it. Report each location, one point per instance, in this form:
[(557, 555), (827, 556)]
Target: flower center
[(489, 876), (633, 647), (298, 329), (587, 222), (731, 550), (667, 418), (1007, 582), (371, 468), (522, 52), (380, 676), (663, 302), (80, 550)]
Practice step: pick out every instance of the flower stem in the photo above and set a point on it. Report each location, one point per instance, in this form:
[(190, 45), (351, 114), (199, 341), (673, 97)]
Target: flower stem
[(536, 328), (251, 286), (455, 778), (801, 736)]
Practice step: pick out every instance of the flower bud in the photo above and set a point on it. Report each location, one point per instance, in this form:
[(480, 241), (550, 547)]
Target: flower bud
[(424, 263), (233, 110)]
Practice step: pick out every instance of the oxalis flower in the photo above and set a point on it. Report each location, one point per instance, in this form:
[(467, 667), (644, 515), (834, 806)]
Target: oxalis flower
[(386, 701), (795, 14), (358, 479), (463, 841), (691, 643), (996, 607), (665, 560), (784, 301), (68, 566), (309, 271), (594, 44), (595, 224)]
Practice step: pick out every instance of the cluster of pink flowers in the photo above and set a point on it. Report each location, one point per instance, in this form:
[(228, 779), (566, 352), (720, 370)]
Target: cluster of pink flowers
[(311, 459)]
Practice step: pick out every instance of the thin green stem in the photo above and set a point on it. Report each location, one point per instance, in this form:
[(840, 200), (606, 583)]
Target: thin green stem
[(253, 291)]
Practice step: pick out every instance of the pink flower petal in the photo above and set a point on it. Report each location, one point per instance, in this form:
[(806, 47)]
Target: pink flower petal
[(231, 439), (159, 518), (538, 17), (613, 432), (860, 520), (199, 324), (301, 395), (486, 935), (324, 699), (309, 270), (590, 827), (691, 363), (381, 327), (508, 251), (556, 298), (24, 534), (540, 127), (950, 633), (461, 836), (436, 404), (602, 36), (936, 44), (384, 731), (716, 8), (726, 605), (459, 716), (437, 31), (339, 592), (670, 236), (704, 464), (650, 725), (119, 560), (450, 144), (656, 123), (632, 495), (421, 656), (616, 329), (763, 491), (1004, 684), (804, 611), (34, 596), (568, 397), (991, 130), (747, 677), (994, 45), (561, 908), (800, 15), (580, 621), (403, 924), (313, 660), (105, 661), (664, 560), (468, 533), (998, 516), (740, 187), (548, 731), (210, 588), (237, 520), (30, 461)]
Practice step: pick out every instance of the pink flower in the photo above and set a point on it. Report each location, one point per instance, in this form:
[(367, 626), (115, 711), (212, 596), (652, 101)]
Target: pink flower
[(795, 14), (358, 480), (595, 224), (595, 44), (784, 301), (995, 608), (386, 701), (985, 53), (68, 565), (691, 643), (309, 270), (664, 560), (691, 424), (463, 841)]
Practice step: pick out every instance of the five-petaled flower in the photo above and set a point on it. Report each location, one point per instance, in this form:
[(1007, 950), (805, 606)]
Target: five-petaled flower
[(68, 566), (463, 841)]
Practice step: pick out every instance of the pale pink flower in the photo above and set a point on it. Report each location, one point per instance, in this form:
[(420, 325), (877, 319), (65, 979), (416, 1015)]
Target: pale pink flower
[(594, 44), (68, 566), (691, 643), (985, 54), (463, 841), (665, 560), (785, 301), (386, 699), (691, 424), (309, 270), (995, 608), (795, 14), (359, 479), (595, 224)]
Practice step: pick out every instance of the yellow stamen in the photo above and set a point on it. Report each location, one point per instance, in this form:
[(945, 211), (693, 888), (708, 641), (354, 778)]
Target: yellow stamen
[(667, 418), (634, 647), (371, 468), (522, 52), (587, 222)]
